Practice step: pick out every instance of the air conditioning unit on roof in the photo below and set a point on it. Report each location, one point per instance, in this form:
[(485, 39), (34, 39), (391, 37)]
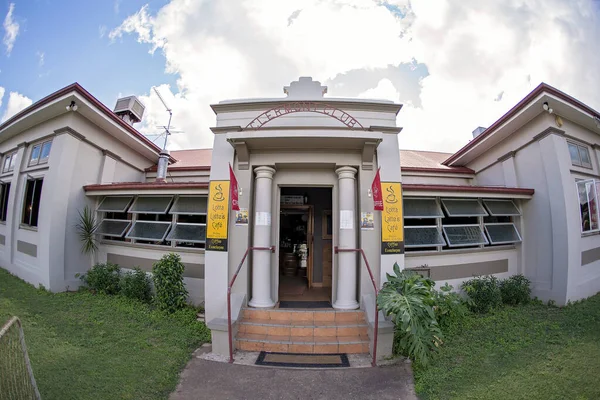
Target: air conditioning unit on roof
[(130, 109)]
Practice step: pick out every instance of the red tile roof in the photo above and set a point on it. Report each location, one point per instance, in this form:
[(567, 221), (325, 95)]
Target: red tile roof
[(428, 161), (189, 160)]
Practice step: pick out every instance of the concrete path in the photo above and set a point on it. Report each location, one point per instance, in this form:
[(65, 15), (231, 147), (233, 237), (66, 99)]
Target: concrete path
[(204, 379)]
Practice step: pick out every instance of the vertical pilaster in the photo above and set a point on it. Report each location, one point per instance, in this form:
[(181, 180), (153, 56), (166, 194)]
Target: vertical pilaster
[(346, 272), (261, 259)]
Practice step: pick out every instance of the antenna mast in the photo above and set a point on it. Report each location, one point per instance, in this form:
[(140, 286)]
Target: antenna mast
[(170, 111)]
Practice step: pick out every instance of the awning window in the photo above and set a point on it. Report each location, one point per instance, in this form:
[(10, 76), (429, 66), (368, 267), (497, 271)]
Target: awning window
[(149, 230), (192, 233), (501, 208), (464, 235), (112, 227), (115, 204), (151, 204), (504, 233), (421, 208), (423, 236), (190, 205), (463, 208)]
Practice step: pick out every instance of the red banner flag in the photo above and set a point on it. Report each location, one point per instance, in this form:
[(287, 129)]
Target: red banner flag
[(233, 190), (377, 196)]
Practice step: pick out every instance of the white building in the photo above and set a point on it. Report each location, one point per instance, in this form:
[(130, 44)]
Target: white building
[(520, 197)]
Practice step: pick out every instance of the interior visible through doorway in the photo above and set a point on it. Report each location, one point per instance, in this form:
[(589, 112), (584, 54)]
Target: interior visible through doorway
[(305, 244)]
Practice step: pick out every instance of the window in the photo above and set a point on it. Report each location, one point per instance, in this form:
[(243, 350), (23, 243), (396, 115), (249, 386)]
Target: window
[(580, 155), (463, 208), (4, 193), (31, 206), (588, 205), (501, 207), (464, 235), (40, 153), (9, 162), (422, 236), (421, 208), (151, 221), (502, 233)]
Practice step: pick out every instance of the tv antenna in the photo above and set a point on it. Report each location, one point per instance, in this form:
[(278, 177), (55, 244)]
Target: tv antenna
[(167, 128)]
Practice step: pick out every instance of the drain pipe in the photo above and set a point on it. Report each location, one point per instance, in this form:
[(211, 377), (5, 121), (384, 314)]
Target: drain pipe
[(163, 163)]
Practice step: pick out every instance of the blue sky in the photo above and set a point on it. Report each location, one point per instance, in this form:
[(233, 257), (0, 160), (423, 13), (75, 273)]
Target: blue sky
[(68, 34), (453, 64)]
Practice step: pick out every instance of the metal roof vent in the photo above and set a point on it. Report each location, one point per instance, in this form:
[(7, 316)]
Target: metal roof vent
[(130, 109), (478, 131)]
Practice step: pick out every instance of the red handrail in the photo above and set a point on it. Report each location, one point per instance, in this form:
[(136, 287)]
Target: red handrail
[(376, 328), (272, 250)]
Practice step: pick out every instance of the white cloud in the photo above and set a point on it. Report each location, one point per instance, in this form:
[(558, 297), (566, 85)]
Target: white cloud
[(41, 55), (11, 29), (16, 103), (2, 90), (473, 51), (102, 30)]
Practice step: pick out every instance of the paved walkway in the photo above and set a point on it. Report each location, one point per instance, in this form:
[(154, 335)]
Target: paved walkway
[(203, 379)]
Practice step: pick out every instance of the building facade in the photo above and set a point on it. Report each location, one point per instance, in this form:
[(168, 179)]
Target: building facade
[(519, 198)]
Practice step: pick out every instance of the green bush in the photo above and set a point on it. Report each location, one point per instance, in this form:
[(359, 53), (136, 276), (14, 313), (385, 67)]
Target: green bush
[(171, 294), (102, 278), (136, 285), (484, 292), (410, 298), (516, 290), (450, 307)]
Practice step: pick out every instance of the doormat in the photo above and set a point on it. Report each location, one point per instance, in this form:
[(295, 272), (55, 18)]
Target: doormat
[(304, 304), (303, 360)]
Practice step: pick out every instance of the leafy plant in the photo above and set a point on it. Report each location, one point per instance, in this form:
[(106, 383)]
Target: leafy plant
[(171, 294), (409, 298), (136, 285), (86, 226), (516, 290), (450, 307), (102, 278), (484, 292)]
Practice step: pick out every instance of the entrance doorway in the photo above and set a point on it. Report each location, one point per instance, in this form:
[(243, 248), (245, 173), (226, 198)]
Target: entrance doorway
[(305, 244)]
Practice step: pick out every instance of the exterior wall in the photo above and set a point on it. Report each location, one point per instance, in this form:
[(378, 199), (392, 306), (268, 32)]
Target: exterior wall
[(438, 179), (130, 256), (455, 267)]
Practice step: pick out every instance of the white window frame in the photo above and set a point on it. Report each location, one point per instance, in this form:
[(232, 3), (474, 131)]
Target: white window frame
[(169, 238), (516, 214), (11, 158), (132, 211), (595, 192), (466, 244), (580, 147), (127, 235), (441, 213), (485, 214), (489, 237), (39, 159), (444, 242), (114, 210), (113, 220)]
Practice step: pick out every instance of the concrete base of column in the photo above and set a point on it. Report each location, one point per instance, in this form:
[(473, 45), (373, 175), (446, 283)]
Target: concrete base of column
[(347, 305), (261, 304)]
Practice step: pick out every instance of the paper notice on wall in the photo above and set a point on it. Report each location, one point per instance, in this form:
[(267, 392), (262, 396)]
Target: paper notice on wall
[(346, 219), (263, 218)]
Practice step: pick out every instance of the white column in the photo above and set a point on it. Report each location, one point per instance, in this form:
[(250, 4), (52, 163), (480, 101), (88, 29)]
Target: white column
[(346, 271), (261, 259)]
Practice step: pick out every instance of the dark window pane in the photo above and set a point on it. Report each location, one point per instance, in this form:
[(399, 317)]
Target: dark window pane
[(4, 201), (27, 205), (37, 195)]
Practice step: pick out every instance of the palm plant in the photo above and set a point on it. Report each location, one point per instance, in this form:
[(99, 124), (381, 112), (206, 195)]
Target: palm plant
[(86, 226), (410, 299)]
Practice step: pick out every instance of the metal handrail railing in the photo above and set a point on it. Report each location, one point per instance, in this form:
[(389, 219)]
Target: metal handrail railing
[(272, 250), (376, 327)]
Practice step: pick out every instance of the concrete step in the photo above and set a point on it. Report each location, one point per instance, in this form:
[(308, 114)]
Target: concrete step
[(303, 331)]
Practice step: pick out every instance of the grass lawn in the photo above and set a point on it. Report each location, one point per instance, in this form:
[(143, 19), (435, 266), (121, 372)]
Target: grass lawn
[(85, 346), (526, 352)]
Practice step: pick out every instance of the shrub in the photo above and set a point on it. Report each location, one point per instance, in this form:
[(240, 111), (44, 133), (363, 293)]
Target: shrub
[(102, 278), (450, 307), (136, 285), (484, 292), (409, 298), (171, 294), (516, 290)]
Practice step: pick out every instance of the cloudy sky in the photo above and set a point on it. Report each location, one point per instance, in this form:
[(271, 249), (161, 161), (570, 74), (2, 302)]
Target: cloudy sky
[(454, 64)]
